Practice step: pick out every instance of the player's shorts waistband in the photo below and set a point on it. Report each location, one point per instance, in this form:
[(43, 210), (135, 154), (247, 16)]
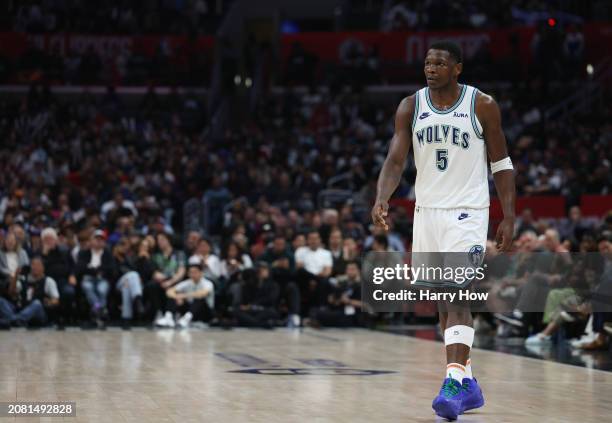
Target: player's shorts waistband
[(450, 208)]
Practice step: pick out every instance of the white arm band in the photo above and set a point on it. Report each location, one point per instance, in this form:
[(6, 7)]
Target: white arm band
[(503, 164)]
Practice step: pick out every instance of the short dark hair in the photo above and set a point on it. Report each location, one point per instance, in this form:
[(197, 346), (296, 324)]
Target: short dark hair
[(452, 47), (382, 240)]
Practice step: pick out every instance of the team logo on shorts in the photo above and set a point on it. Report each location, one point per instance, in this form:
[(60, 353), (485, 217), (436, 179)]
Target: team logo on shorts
[(476, 255)]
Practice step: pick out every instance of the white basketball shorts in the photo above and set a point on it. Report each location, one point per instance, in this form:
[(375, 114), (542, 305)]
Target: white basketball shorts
[(456, 237)]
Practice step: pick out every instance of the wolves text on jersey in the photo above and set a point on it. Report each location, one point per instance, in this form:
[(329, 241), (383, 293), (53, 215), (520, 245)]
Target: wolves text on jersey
[(443, 134)]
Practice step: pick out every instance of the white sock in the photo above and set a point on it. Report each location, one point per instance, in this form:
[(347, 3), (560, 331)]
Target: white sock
[(468, 369), (455, 371)]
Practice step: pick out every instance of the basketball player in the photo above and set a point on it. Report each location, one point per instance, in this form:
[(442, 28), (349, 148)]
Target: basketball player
[(453, 128)]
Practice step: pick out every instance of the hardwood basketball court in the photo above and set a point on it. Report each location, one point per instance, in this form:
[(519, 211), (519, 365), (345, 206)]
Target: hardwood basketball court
[(280, 376)]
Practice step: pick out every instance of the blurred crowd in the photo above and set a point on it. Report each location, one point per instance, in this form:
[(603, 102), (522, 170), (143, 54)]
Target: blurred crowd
[(115, 16), (402, 15), (545, 293), (183, 65), (93, 226)]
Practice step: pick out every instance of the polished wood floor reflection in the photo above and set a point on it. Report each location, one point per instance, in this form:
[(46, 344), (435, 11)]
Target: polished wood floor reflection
[(279, 376)]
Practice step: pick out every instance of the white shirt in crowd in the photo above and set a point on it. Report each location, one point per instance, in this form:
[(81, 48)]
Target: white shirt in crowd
[(214, 265), (246, 263), (96, 259), (314, 261), (188, 286), (12, 261)]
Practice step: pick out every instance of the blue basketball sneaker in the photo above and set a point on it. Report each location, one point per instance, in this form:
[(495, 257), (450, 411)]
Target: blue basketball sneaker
[(448, 403), (472, 395)]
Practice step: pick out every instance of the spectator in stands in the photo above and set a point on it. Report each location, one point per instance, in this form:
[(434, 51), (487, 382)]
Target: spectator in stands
[(36, 298), (13, 259), (525, 222), (574, 227), (394, 239), (600, 303), (95, 268), (314, 259), (538, 273), (336, 248), (59, 267), (234, 261), (282, 265), (194, 298), (192, 240), (212, 264), (343, 306), (129, 282), (259, 300), (279, 255), (314, 266), (169, 270)]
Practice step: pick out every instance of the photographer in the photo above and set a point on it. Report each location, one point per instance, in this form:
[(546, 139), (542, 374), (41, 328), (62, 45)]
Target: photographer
[(343, 303), (35, 296)]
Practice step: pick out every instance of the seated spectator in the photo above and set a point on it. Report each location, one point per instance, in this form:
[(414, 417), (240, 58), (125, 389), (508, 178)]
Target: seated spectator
[(281, 263), (336, 247), (212, 264), (96, 268), (59, 267), (191, 242), (129, 282), (279, 255), (314, 265), (394, 239), (13, 258), (169, 270), (36, 298), (234, 260), (343, 306), (193, 297), (259, 299), (567, 297)]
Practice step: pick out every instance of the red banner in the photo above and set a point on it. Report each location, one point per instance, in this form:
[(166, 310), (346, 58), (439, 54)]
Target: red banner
[(410, 47), (14, 44)]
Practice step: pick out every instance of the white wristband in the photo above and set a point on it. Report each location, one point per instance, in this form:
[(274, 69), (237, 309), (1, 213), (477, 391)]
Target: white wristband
[(503, 164)]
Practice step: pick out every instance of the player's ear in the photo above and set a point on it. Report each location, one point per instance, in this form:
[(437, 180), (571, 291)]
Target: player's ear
[(458, 69)]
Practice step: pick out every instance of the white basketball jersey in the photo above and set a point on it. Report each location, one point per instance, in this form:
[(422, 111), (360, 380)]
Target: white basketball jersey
[(449, 153)]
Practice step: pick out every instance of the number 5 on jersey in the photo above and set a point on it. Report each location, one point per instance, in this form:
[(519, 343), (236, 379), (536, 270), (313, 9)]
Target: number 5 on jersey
[(441, 158)]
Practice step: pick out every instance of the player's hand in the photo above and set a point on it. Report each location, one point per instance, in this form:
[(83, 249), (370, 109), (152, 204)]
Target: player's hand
[(379, 212), (505, 234)]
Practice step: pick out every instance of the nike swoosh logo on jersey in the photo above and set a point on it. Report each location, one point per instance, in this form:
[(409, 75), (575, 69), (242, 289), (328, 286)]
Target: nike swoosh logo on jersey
[(424, 115), (463, 216)]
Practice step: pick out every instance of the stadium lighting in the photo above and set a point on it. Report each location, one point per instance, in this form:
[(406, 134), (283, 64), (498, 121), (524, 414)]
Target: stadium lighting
[(590, 69), (237, 79)]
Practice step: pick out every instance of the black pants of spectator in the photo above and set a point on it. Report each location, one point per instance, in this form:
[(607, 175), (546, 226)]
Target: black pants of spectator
[(199, 308), (67, 311), (335, 318), (533, 297), (313, 290), (599, 319), (290, 291), (291, 294), (263, 318), (155, 298)]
